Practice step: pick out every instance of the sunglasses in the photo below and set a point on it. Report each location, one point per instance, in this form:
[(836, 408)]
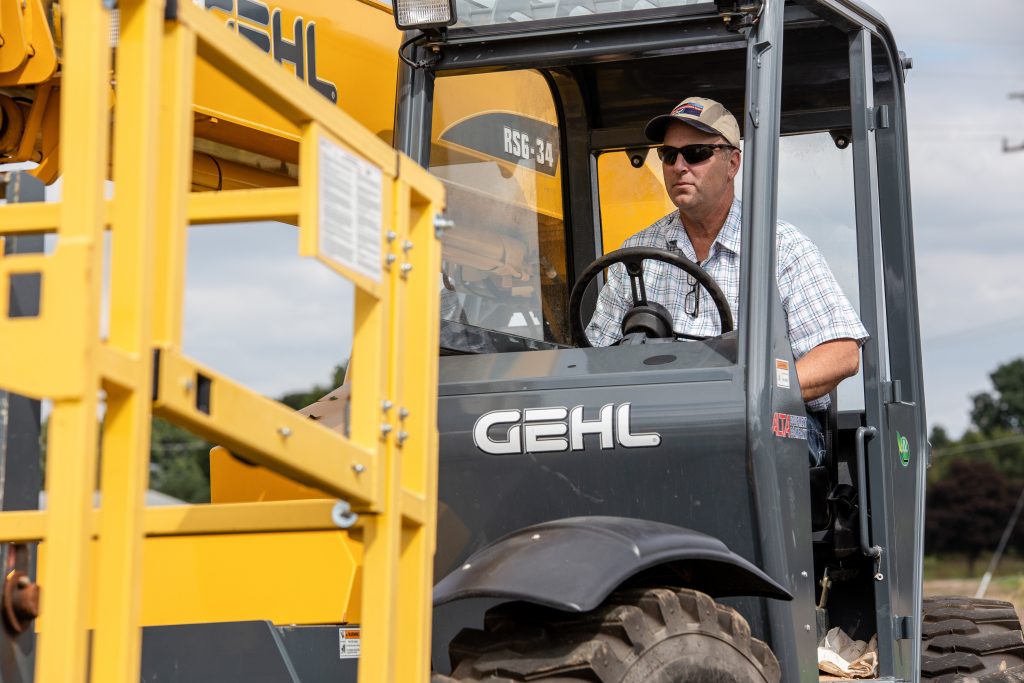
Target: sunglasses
[(691, 302), (692, 154)]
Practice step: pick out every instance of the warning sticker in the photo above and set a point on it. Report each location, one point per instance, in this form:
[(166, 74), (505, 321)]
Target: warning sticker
[(348, 642), (350, 202), (782, 373), (789, 426)]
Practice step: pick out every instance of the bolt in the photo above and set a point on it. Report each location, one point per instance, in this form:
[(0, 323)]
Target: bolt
[(358, 468), (403, 413), (391, 258), (406, 267), (189, 385), (285, 432), (402, 436), (392, 235), (406, 245), (441, 223), (342, 515), (803, 574), (534, 537), (385, 429), (807, 627), (466, 566), (386, 405)]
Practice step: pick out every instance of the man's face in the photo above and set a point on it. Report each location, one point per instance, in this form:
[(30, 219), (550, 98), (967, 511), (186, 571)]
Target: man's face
[(706, 183)]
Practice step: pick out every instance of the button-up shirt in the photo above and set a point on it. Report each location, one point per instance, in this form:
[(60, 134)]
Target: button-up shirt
[(816, 309)]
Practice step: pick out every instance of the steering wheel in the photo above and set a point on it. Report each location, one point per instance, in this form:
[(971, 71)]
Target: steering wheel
[(649, 317)]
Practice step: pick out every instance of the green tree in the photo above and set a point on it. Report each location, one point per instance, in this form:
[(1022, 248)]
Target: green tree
[(179, 463), (1003, 409), (967, 510), (939, 438), (300, 399)]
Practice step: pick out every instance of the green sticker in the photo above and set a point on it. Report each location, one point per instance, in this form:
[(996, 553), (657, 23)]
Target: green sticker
[(904, 447)]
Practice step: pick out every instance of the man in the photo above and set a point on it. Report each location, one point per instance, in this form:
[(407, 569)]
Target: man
[(700, 160)]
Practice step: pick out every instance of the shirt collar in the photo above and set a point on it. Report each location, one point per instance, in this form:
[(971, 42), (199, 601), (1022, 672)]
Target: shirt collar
[(728, 237)]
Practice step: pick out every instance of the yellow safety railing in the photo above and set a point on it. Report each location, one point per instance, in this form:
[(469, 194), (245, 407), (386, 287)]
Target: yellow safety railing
[(392, 258)]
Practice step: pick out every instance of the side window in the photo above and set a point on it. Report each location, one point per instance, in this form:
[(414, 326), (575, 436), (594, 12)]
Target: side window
[(631, 198), (816, 194), (496, 148)]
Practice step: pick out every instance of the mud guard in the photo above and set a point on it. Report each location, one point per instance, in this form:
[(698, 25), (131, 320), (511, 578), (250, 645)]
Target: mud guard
[(574, 564)]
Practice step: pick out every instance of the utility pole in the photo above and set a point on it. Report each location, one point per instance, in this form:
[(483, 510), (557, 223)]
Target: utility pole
[(1006, 143)]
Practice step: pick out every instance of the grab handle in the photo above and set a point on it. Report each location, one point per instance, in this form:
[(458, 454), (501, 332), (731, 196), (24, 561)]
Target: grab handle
[(874, 551)]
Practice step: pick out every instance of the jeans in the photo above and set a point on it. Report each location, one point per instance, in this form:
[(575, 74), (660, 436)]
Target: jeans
[(816, 437)]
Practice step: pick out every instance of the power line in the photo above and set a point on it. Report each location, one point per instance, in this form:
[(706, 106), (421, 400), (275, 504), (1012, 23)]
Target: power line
[(998, 554), (956, 450)]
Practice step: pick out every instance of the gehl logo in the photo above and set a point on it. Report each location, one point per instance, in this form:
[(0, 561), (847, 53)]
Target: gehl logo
[(553, 430), (262, 27)]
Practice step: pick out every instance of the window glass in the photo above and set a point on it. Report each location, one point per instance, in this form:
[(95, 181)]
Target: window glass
[(816, 195), (489, 12), (496, 148), (631, 198)]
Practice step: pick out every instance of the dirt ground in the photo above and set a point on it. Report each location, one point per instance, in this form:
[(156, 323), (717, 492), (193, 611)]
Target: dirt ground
[(1002, 588)]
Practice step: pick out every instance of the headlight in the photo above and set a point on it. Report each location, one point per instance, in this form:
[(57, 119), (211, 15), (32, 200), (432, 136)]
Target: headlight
[(421, 14)]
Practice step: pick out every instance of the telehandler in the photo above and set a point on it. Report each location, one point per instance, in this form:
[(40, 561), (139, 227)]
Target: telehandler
[(600, 500), (642, 512)]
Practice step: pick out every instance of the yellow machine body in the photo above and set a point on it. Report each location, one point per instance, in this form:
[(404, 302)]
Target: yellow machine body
[(345, 52), (178, 106)]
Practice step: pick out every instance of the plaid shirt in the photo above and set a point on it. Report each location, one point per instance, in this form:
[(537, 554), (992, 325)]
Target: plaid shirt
[(816, 309)]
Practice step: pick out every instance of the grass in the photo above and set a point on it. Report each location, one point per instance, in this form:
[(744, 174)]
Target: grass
[(948, 575), (1010, 568)]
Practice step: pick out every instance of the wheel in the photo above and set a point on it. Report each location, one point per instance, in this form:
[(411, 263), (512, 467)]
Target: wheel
[(654, 635), (632, 259), (968, 639)]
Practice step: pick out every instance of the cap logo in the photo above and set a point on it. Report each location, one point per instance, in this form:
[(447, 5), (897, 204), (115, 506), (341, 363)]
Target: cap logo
[(689, 109)]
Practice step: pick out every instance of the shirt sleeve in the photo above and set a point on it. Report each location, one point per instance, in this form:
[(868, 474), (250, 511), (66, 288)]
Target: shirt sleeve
[(605, 326), (817, 311)]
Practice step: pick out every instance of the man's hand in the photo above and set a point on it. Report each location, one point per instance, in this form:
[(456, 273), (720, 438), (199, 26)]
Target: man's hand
[(822, 368)]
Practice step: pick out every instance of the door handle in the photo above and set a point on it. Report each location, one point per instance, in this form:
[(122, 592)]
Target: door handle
[(873, 551)]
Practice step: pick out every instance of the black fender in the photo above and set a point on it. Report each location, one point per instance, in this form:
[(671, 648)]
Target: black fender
[(574, 564)]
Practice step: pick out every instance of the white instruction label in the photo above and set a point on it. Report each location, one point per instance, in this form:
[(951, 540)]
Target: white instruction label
[(782, 373), (350, 210), (348, 642)]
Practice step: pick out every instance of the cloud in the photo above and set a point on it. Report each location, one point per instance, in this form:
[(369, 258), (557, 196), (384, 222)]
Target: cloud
[(968, 201), (259, 313)]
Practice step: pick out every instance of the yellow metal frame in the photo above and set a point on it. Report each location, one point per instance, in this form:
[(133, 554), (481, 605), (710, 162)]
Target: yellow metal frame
[(385, 468)]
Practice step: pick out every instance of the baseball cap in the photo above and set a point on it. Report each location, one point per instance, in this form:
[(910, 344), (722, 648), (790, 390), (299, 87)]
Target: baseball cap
[(701, 113)]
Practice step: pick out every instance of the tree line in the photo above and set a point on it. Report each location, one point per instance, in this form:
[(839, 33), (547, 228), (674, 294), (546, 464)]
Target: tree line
[(180, 461), (974, 481)]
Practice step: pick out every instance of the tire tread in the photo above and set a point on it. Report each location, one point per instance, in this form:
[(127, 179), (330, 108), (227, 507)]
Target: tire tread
[(970, 640), (523, 643)]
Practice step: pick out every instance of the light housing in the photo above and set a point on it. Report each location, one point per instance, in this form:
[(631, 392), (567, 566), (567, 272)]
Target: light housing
[(424, 14)]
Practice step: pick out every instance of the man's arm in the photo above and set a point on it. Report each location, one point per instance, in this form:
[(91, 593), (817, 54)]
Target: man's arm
[(822, 368)]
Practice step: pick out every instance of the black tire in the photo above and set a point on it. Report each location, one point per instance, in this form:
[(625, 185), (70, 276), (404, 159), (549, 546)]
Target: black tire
[(971, 640), (655, 635)]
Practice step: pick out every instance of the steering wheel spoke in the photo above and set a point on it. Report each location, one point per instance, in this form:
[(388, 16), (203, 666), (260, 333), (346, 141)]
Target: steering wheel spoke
[(635, 271)]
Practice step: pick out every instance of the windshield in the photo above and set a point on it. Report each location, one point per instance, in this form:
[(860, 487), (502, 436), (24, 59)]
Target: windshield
[(472, 13), (496, 148)]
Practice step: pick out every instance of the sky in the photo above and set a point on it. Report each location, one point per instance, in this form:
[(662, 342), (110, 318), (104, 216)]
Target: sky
[(281, 324), (968, 196)]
